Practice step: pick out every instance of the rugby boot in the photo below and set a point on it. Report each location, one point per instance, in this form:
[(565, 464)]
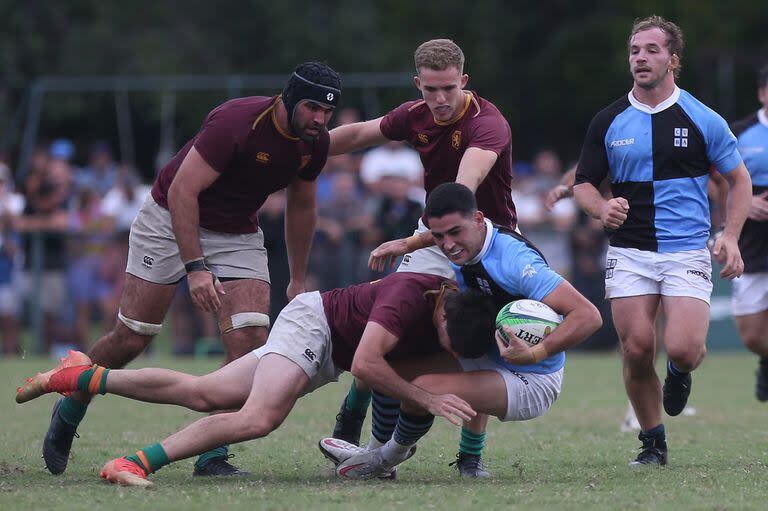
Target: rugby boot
[(62, 378), (761, 387), (125, 472), (470, 465), (220, 467), (676, 390), (652, 452), (349, 425), (369, 465), (57, 443)]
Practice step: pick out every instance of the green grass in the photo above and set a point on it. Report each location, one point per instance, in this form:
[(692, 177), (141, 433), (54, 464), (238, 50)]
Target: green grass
[(572, 458)]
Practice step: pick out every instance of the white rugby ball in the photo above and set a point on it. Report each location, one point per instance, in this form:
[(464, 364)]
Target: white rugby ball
[(530, 320)]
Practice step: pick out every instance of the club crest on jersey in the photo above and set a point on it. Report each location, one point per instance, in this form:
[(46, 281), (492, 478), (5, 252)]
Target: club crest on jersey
[(681, 137), (456, 139), (262, 157), (422, 138)]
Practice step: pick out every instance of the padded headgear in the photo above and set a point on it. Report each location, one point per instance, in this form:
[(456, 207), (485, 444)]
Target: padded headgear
[(313, 81)]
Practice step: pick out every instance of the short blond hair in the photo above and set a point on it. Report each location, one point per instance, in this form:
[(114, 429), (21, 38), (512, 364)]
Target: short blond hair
[(439, 54)]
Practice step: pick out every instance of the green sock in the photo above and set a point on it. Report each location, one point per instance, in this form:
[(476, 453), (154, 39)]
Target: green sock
[(472, 443), (151, 458), (72, 411), (358, 400), (207, 456), (84, 380)]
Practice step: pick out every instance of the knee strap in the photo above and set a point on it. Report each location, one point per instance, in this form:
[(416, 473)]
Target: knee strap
[(243, 320), (139, 327)]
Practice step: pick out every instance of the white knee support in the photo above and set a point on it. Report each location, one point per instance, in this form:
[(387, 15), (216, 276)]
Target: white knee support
[(242, 320), (139, 327)]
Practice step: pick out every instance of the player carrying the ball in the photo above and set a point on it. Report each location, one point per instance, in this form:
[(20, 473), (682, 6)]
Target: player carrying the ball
[(513, 382)]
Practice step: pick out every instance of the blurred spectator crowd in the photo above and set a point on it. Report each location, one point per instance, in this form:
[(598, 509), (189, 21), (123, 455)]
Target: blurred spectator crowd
[(72, 223)]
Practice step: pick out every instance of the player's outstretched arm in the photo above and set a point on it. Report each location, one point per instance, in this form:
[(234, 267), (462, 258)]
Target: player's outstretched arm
[(475, 166), (370, 366), (563, 189), (356, 136), (300, 220), (194, 176)]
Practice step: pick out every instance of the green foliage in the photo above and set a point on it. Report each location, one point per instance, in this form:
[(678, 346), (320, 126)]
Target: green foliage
[(572, 458)]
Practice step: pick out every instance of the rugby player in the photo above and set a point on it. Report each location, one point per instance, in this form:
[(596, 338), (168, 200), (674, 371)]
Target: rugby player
[(460, 137), (514, 383), (750, 292), (362, 328), (656, 145), (200, 221)]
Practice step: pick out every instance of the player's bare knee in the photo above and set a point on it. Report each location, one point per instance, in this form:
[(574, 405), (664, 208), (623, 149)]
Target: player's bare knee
[(259, 424), (755, 341), (688, 357), (243, 340), (637, 352)]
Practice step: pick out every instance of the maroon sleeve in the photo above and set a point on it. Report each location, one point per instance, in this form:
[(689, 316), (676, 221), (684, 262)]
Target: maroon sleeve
[(318, 158), (216, 140), (490, 132), (398, 307), (394, 125)]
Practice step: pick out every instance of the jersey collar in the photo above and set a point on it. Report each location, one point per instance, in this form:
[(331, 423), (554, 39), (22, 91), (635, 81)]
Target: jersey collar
[(671, 100), (762, 117), (486, 244)]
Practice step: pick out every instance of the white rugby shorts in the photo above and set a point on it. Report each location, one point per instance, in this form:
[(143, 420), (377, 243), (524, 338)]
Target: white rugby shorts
[(750, 294), (529, 395), (634, 272), (302, 335)]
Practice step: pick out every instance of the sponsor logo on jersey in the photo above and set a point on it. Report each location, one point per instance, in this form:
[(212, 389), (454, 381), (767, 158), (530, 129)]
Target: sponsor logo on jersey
[(456, 139), (623, 141), (262, 157), (422, 138), (528, 271), (148, 261), (698, 273), (681, 137)]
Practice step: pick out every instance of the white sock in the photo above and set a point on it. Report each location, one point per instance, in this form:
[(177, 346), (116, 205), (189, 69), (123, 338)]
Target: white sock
[(394, 453), (373, 443)]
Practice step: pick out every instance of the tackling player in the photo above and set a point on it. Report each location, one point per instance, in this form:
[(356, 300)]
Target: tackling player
[(460, 137), (515, 382)]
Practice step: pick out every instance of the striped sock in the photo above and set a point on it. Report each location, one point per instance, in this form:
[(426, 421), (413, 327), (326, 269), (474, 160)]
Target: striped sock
[(151, 458), (94, 380), (357, 399), (673, 370), (409, 429), (471, 442), (386, 410)]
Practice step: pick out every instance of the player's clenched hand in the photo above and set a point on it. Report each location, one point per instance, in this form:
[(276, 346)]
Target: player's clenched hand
[(384, 256), (451, 407), (555, 195), (727, 253), (758, 211), (614, 212), (205, 288)]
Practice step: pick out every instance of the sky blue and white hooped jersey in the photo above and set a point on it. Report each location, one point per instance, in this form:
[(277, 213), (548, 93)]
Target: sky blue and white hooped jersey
[(752, 133), (510, 268), (659, 160)]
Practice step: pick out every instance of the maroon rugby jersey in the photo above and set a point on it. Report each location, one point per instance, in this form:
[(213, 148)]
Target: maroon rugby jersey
[(441, 146), (240, 139), (396, 302)]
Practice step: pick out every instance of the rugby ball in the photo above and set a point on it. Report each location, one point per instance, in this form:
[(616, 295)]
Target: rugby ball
[(531, 320)]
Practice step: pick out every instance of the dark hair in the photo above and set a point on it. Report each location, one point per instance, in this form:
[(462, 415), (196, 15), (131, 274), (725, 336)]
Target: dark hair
[(675, 41), (450, 198), (762, 77), (471, 322)]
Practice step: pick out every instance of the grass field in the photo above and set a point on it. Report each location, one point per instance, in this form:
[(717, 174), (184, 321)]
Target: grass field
[(572, 458)]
